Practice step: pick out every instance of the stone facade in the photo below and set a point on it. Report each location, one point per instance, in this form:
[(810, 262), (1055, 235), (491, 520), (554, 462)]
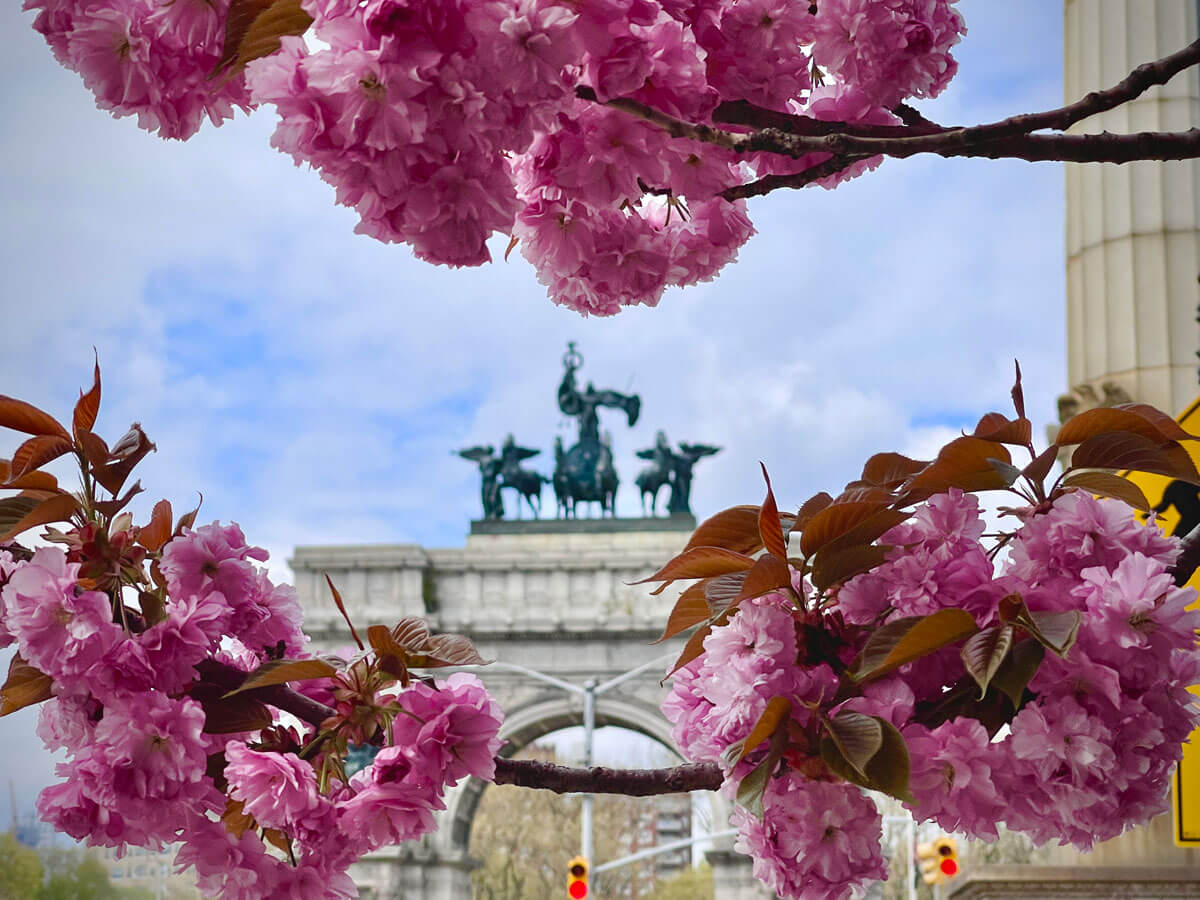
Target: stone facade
[(555, 596), (1083, 882)]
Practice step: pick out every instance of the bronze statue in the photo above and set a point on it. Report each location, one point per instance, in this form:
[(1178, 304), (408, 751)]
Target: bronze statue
[(527, 482), (585, 473), (672, 468), (489, 473)]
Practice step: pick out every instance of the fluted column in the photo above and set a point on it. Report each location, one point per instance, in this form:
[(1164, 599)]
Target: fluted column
[(1133, 231)]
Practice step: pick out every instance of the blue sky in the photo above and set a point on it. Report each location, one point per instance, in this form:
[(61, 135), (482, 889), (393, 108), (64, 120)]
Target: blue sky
[(312, 384)]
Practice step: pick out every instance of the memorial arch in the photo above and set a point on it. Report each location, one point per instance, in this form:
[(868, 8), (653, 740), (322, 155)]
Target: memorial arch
[(557, 597)]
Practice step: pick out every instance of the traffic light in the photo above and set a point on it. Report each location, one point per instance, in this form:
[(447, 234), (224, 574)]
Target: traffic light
[(939, 860), (577, 878)]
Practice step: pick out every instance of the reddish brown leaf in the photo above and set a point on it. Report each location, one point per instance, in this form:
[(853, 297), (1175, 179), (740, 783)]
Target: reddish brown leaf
[(890, 469), (733, 529), (861, 492), (21, 416), (811, 507), (235, 818), (253, 29), (901, 641), (692, 649), (24, 686), (88, 405), (1134, 418), (701, 562), (233, 715), (33, 481), (983, 654), (869, 531), (112, 507), (337, 599), (58, 508), (769, 573), (777, 711), (448, 650), (1108, 485), (411, 633), (95, 450), (721, 592), (1127, 450), (836, 565), (1018, 394), (690, 609), (963, 463), (1040, 467), (995, 427), (157, 531), (281, 671), (125, 454), (37, 451), (834, 521), (769, 528), (188, 519)]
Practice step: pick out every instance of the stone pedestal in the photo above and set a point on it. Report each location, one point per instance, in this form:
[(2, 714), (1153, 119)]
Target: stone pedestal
[(1086, 883)]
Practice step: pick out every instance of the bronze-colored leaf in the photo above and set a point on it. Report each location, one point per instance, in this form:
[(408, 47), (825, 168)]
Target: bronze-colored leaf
[(411, 633), (253, 29), (448, 650), (58, 508), (690, 609), (21, 416), (1040, 467), (834, 565), (984, 652), (888, 770), (25, 686), (337, 599), (124, 455), (810, 508), (964, 463), (862, 492), (88, 405), (112, 507), (234, 715), (1018, 670), (769, 529), (777, 711), (1131, 418), (722, 592), (1106, 484), (901, 641), (692, 649), (1057, 630), (701, 562), (154, 608), (235, 818), (1018, 393), (37, 451), (1114, 450), (95, 450), (277, 839), (188, 519), (157, 531), (281, 671), (869, 531), (734, 529), (769, 573), (858, 738), (834, 521), (33, 481), (890, 470), (1003, 430)]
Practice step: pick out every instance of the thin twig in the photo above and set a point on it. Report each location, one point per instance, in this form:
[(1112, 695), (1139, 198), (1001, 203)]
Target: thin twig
[(1189, 558)]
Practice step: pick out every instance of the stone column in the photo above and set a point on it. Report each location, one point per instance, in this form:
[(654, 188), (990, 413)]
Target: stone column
[(1133, 253)]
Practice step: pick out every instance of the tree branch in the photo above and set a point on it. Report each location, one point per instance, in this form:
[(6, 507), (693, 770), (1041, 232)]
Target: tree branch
[(769, 183), (1189, 558), (601, 780), (229, 678)]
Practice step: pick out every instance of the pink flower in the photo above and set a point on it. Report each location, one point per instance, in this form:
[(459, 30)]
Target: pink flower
[(817, 840), (212, 558), (951, 777), (453, 727), (278, 789)]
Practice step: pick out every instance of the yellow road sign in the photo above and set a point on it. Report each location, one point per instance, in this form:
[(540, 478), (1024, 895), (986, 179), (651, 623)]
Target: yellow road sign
[(1178, 506)]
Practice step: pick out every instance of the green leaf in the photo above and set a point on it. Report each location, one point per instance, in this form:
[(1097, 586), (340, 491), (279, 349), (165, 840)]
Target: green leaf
[(858, 738), (751, 788), (1106, 484), (904, 640), (888, 770), (1018, 670), (281, 671), (984, 652)]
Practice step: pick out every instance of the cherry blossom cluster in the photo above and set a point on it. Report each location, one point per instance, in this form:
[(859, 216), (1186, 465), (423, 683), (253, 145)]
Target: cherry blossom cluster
[(1083, 752), (156, 753), (445, 122)]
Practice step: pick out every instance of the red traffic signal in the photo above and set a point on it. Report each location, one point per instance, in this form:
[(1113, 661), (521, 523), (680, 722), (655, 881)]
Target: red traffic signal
[(938, 860), (577, 878)]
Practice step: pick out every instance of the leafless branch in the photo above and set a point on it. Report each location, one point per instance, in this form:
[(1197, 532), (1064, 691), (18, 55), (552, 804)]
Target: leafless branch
[(1189, 558), (600, 780)]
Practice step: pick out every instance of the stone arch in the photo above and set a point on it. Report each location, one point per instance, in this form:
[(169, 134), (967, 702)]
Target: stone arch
[(523, 726)]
